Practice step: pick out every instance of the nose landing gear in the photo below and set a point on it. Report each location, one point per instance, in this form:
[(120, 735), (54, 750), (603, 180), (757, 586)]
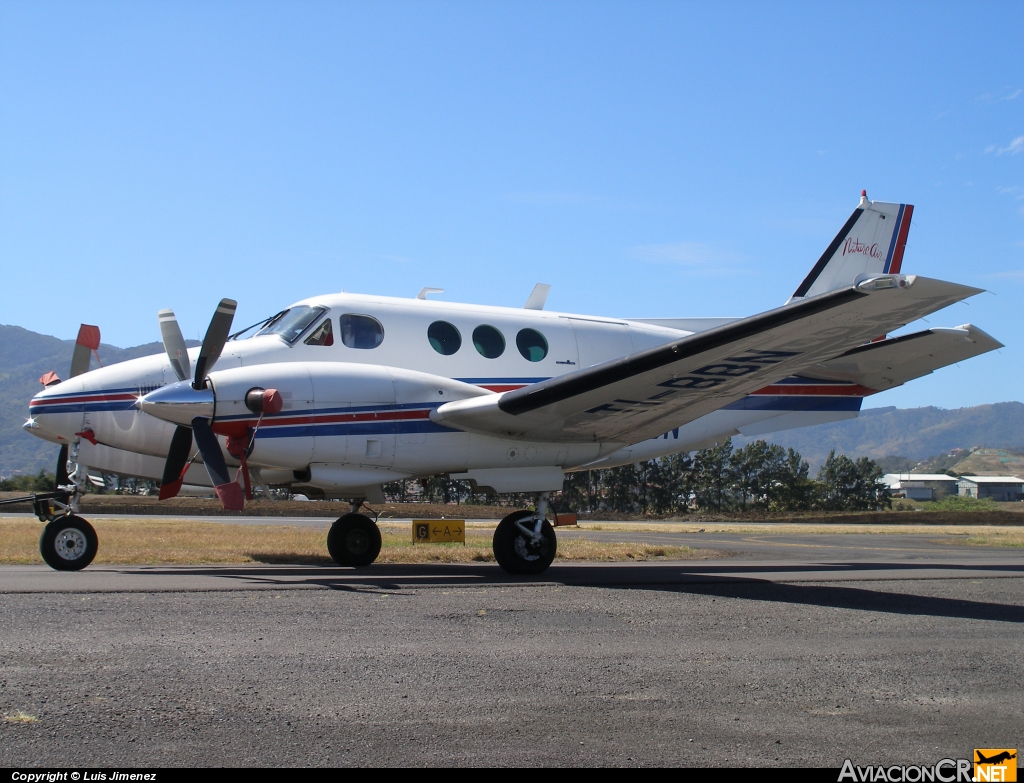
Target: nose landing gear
[(68, 542)]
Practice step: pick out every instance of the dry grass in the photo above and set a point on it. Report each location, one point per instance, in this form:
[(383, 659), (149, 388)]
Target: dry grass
[(17, 716), (150, 542), (795, 529), (1010, 537)]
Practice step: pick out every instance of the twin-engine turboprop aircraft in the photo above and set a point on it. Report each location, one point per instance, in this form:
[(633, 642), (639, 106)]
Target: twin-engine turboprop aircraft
[(340, 393)]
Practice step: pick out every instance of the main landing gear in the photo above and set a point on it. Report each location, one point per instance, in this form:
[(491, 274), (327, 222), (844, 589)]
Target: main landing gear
[(354, 540), (524, 542)]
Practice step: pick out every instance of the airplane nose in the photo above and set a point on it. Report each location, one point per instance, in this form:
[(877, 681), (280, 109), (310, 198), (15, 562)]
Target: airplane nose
[(48, 417), (178, 403)]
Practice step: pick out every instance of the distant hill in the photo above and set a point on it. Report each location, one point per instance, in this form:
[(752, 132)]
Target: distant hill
[(24, 356), (990, 462), (915, 433)]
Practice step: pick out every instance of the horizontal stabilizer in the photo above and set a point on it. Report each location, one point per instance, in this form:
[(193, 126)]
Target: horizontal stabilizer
[(890, 363)]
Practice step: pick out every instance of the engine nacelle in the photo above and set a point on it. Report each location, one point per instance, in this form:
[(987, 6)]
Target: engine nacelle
[(336, 414)]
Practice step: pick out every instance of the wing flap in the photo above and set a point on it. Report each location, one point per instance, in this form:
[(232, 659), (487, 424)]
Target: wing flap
[(644, 394)]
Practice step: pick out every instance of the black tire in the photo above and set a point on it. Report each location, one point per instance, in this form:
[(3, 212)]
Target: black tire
[(68, 543), (354, 540), (514, 550)]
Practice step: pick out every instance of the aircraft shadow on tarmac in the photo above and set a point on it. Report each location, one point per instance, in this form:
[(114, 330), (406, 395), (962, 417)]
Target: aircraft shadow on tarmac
[(726, 580)]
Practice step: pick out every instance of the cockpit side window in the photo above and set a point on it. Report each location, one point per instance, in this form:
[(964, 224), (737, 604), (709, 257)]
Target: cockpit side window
[(322, 335), (291, 323), (361, 331)]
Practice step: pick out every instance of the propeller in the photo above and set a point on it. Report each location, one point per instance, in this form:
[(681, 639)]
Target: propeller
[(174, 344), (60, 477), (181, 443), (86, 346)]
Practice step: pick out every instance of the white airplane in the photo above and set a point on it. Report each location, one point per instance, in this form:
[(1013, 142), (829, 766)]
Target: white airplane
[(340, 393)]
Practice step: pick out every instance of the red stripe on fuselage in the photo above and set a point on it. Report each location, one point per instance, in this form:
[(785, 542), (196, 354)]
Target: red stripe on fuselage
[(82, 398), (785, 390), (229, 427), (503, 387)]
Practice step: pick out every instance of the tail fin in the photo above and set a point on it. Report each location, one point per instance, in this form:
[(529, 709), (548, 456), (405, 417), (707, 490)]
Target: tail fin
[(872, 241)]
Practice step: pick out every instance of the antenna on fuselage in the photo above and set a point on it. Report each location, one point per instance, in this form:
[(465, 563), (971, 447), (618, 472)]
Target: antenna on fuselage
[(423, 293), (538, 297)]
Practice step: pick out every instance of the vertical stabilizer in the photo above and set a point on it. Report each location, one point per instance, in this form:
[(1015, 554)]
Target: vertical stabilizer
[(871, 242)]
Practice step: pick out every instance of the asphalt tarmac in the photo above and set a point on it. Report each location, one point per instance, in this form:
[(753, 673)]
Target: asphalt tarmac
[(796, 650)]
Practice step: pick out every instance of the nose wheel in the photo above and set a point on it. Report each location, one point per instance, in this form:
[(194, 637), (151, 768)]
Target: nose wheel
[(68, 543), (524, 544)]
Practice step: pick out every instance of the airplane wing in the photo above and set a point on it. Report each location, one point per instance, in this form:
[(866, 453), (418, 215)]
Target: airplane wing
[(890, 363), (647, 393)]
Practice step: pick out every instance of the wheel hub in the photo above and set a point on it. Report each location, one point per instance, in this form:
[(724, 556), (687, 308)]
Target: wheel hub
[(357, 542), (526, 548), (70, 543)]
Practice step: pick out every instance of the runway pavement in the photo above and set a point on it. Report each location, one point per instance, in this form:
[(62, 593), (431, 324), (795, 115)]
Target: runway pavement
[(803, 650)]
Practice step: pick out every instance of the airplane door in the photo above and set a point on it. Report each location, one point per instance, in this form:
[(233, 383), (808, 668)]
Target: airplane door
[(600, 341)]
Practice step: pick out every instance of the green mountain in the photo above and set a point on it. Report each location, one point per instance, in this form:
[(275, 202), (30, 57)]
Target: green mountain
[(24, 357), (915, 433)]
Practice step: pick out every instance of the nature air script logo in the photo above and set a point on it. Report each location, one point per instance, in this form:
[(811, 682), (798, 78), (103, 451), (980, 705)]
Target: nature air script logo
[(855, 246), (995, 764)]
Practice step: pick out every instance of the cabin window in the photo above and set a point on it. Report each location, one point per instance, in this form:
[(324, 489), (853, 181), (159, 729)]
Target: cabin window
[(531, 345), (291, 323), (322, 335), (444, 338), (488, 341), (361, 331)]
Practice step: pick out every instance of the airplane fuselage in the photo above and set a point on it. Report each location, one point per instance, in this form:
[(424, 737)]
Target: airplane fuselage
[(358, 394)]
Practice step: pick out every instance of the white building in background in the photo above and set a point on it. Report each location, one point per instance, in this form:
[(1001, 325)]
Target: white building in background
[(999, 488), (920, 486)]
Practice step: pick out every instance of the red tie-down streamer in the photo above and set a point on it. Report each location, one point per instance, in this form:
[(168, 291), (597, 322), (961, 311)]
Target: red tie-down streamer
[(240, 448)]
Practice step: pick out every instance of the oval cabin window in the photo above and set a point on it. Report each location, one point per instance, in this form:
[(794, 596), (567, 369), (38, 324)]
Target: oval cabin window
[(361, 331), (531, 345), (444, 338), (488, 341)]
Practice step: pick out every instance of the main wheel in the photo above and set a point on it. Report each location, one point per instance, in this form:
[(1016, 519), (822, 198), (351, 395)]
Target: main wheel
[(68, 543), (516, 551), (354, 540)]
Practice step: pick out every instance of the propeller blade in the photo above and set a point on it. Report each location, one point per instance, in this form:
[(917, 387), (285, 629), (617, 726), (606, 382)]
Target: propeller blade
[(88, 340), (228, 491), (177, 462), (213, 342), (61, 474), (174, 344)]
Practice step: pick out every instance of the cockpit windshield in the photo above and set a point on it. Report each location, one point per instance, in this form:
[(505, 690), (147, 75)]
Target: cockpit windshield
[(292, 322)]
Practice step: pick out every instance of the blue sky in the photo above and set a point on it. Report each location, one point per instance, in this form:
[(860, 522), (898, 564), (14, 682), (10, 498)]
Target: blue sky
[(646, 159)]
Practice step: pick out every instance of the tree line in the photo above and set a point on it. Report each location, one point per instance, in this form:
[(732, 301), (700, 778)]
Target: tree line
[(760, 476)]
